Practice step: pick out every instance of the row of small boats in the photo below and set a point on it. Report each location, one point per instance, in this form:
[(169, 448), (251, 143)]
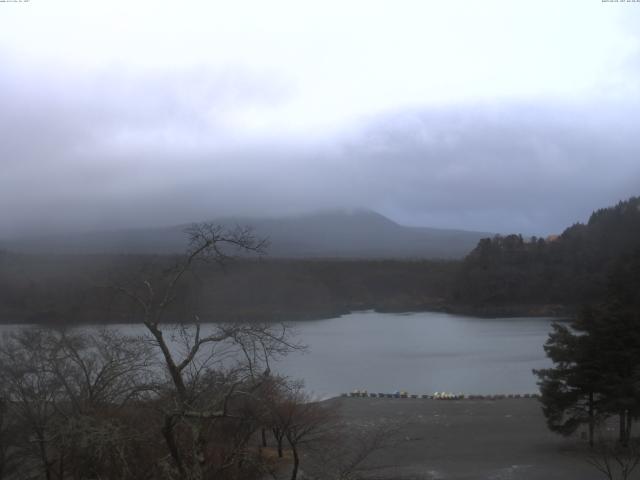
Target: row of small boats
[(437, 395)]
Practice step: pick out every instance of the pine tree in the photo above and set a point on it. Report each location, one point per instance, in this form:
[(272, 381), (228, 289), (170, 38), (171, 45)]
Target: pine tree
[(596, 360), (569, 391)]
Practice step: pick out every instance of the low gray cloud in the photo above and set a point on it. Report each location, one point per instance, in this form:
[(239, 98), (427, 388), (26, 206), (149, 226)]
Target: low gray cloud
[(121, 150), (510, 167)]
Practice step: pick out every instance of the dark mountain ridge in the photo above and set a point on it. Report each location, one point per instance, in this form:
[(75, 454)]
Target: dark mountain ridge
[(335, 234)]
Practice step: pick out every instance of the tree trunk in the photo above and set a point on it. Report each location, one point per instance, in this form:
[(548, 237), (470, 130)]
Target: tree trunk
[(622, 429), (279, 438), (43, 456), (175, 373), (167, 432), (264, 437), (200, 444), (591, 419), (296, 462), (61, 467)]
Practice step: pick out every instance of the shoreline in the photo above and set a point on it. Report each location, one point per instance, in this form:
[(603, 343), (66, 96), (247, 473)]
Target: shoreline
[(440, 396), (559, 312)]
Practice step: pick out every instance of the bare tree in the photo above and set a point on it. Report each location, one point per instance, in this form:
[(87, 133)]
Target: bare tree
[(300, 420), (101, 374), (182, 401), (273, 391), (9, 462), (32, 392), (58, 387), (209, 369), (104, 368)]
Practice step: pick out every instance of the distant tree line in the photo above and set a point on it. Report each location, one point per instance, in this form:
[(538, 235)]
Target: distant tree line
[(71, 289)]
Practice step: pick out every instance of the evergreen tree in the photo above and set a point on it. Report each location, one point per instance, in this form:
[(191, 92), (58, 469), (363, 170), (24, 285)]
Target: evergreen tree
[(596, 360), (569, 391)]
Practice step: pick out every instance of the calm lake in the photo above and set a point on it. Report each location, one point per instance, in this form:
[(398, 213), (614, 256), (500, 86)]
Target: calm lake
[(422, 352), (419, 352)]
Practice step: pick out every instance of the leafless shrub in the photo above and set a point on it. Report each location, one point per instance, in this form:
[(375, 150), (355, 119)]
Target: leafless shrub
[(349, 453), (614, 460)]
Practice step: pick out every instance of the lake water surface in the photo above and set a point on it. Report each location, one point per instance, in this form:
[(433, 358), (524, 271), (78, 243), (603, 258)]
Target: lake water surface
[(419, 352), (422, 352)]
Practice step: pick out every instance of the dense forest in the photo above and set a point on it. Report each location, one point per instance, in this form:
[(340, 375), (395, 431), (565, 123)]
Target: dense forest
[(567, 270), (503, 275), (80, 288)]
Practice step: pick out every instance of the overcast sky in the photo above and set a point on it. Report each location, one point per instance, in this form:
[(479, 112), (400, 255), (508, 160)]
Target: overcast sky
[(506, 116)]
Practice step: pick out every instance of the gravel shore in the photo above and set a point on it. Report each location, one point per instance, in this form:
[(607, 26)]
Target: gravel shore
[(470, 439)]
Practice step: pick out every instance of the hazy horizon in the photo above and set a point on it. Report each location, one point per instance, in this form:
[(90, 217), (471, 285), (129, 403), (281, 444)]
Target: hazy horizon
[(245, 220)]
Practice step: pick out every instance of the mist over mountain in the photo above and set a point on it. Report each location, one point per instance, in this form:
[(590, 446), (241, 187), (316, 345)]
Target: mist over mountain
[(329, 234)]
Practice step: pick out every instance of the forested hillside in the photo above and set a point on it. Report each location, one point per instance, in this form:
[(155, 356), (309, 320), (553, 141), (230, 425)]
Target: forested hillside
[(570, 270), (506, 276)]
